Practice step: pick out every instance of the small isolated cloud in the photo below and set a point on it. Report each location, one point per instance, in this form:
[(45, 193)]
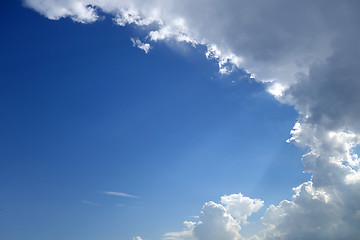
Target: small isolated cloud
[(121, 194), (89, 203), (137, 238), (141, 45)]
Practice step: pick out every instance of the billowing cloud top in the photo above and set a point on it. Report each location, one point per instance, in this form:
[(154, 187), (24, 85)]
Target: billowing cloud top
[(307, 52)]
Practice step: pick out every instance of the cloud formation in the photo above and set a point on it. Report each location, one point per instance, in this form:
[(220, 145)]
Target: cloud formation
[(307, 52), (274, 40)]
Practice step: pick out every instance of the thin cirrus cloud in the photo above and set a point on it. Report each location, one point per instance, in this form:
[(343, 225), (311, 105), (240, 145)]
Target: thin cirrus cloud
[(307, 53), (121, 194), (90, 203)]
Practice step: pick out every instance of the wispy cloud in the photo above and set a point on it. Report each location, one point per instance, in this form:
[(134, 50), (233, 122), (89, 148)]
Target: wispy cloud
[(121, 194), (89, 203)]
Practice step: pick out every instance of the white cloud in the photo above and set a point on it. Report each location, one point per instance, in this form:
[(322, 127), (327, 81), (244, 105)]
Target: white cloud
[(131, 16), (325, 207), (79, 11), (121, 194), (137, 238), (241, 207), (308, 52), (186, 234), (276, 89), (176, 30), (141, 45), (217, 221)]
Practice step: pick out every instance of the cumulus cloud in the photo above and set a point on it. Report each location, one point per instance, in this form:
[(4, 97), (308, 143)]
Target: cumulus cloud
[(307, 53), (327, 206), (241, 207), (217, 221)]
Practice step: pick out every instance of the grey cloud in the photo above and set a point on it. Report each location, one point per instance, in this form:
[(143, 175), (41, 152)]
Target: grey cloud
[(330, 93), (311, 49), (276, 39)]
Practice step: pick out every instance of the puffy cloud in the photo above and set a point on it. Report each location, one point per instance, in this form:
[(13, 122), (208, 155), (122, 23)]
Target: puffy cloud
[(217, 221), (307, 52), (327, 206), (241, 207), (324, 208)]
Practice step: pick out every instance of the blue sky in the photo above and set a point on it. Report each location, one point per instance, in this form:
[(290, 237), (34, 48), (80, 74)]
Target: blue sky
[(84, 112)]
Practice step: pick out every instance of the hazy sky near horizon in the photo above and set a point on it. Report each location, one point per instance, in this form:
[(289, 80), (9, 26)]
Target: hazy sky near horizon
[(123, 119)]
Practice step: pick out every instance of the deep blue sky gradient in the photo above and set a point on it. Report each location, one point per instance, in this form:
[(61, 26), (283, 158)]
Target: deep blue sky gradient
[(83, 111)]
